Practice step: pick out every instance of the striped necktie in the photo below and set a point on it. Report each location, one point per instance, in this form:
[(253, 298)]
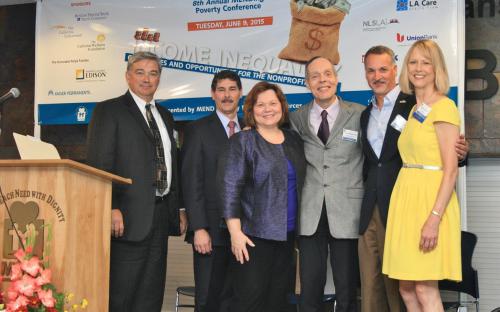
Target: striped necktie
[(161, 168)]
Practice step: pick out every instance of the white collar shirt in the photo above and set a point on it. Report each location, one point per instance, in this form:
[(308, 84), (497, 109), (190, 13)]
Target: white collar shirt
[(379, 120)]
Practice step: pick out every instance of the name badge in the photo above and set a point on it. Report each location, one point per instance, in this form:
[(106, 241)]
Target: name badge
[(349, 135), (421, 113), (398, 123)]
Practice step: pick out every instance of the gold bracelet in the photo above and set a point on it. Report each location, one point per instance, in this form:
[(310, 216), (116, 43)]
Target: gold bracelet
[(434, 212)]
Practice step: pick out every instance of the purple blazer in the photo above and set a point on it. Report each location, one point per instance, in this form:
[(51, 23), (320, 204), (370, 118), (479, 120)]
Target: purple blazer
[(253, 180)]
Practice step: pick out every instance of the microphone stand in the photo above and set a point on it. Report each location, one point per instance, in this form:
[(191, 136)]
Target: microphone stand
[(15, 94)]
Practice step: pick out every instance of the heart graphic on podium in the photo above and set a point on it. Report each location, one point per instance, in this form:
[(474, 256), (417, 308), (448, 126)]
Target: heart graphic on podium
[(22, 214)]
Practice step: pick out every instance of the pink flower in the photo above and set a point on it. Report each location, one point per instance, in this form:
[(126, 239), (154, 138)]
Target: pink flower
[(12, 292), (19, 303), (15, 272), (20, 254), (31, 266), (46, 298), (44, 277), (26, 285)]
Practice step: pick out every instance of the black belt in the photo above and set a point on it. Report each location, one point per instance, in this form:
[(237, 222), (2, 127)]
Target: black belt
[(159, 199)]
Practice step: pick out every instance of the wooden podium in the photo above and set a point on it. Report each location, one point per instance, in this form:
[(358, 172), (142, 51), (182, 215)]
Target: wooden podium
[(75, 199)]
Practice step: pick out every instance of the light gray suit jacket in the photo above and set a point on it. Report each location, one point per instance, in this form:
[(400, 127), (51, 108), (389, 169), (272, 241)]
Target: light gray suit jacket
[(334, 172)]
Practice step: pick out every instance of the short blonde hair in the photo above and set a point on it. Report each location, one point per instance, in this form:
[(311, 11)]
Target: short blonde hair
[(432, 50)]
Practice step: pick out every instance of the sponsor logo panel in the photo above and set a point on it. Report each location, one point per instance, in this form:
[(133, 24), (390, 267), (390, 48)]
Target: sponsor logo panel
[(82, 74), (99, 44), (92, 16), (377, 24), (411, 5), (407, 39), (55, 92)]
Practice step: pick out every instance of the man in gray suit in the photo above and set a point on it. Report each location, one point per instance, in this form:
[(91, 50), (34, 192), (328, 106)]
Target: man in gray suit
[(333, 189)]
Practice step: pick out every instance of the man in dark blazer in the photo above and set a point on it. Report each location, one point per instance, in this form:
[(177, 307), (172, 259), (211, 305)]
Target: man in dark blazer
[(128, 136), (204, 141), (381, 124)]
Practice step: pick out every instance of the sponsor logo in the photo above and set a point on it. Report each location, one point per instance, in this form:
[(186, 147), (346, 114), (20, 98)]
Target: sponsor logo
[(70, 61), (408, 5), (402, 38), (100, 38), (67, 92), (91, 16), (80, 74), (25, 206), (90, 75), (402, 5), (81, 114), (80, 3), (378, 24), (66, 31), (98, 44)]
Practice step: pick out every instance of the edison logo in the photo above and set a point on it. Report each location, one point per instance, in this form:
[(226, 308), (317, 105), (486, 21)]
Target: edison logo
[(80, 74), (400, 37), (90, 74)]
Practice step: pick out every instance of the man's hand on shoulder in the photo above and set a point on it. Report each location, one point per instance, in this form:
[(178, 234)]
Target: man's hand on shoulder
[(461, 147)]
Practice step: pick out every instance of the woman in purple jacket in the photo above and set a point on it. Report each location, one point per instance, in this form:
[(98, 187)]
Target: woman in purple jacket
[(260, 180)]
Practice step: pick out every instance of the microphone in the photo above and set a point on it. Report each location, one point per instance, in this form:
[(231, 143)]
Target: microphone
[(13, 93)]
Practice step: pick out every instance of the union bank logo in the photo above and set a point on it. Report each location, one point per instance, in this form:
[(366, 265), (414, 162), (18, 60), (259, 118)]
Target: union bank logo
[(400, 37), (405, 38)]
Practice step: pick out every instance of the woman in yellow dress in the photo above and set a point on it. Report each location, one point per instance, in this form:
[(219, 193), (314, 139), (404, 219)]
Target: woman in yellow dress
[(422, 244)]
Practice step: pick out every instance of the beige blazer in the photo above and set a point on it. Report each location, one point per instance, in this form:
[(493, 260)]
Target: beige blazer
[(334, 172)]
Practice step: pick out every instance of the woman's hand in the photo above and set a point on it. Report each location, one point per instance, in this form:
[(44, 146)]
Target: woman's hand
[(429, 234), (239, 243)]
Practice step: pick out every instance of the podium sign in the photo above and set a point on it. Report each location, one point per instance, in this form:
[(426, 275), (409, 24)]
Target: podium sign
[(72, 203)]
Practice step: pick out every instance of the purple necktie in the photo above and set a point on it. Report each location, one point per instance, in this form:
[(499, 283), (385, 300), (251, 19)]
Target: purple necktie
[(324, 128), (231, 126)]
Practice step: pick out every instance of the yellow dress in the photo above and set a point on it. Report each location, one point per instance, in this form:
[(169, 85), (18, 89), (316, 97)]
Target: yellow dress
[(412, 201)]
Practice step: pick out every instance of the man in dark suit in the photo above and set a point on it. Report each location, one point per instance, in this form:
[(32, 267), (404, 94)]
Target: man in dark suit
[(381, 124), (204, 141), (132, 137)]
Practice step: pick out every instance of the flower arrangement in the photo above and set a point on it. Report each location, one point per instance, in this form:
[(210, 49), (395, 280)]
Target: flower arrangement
[(30, 288)]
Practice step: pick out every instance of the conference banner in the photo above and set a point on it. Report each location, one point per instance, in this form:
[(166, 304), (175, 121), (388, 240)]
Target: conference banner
[(82, 47)]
